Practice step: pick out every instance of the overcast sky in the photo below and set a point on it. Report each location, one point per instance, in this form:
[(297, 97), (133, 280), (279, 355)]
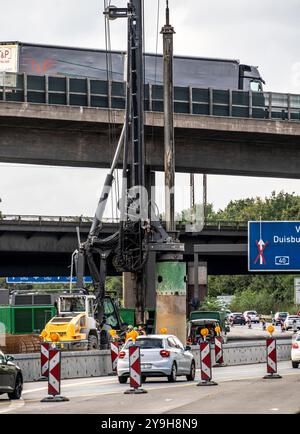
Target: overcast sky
[(261, 33)]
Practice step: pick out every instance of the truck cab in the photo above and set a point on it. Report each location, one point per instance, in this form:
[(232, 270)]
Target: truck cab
[(204, 319)]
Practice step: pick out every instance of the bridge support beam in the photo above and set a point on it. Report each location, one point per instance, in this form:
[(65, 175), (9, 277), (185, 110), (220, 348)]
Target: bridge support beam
[(129, 290), (171, 297), (197, 288)]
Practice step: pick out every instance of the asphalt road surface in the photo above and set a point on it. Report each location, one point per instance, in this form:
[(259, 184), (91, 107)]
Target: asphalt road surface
[(240, 389)]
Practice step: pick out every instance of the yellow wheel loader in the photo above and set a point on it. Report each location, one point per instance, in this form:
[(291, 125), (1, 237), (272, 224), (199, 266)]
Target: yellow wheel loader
[(75, 326)]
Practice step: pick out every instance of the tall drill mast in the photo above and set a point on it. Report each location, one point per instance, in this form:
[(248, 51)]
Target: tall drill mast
[(137, 236)]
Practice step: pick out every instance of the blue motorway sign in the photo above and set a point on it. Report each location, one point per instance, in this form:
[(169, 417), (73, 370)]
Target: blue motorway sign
[(274, 246), (47, 279)]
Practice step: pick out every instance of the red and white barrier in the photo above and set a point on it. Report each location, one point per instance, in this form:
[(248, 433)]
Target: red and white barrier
[(219, 351), (114, 349), (205, 365), (54, 372), (135, 370), (44, 361), (271, 358), (54, 377)]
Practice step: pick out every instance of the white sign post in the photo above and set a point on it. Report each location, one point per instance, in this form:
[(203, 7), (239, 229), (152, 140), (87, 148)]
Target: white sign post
[(297, 290)]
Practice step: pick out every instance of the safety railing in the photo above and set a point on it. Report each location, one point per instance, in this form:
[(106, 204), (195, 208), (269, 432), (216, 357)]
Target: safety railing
[(87, 92), (23, 219), (220, 225)]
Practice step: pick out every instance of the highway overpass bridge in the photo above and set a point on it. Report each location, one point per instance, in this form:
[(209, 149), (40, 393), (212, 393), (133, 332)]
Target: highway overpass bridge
[(65, 121), (42, 246)]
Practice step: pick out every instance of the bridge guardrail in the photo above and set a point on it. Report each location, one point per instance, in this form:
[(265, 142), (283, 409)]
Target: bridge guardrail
[(87, 92), (50, 219), (213, 225)]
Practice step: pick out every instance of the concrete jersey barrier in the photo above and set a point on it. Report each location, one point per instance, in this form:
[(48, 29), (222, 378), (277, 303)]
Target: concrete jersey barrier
[(80, 364)]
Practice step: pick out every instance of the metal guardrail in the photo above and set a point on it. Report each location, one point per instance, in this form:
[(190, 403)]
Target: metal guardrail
[(86, 92), (4, 218), (24, 219)]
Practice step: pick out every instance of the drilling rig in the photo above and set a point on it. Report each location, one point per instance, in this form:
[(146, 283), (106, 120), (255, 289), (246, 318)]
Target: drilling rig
[(141, 245)]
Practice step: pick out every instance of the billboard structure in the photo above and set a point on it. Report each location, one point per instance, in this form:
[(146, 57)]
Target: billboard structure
[(274, 246), (9, 57)]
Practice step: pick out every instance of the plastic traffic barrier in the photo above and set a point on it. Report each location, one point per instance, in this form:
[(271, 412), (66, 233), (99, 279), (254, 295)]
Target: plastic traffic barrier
[(219, 352), (54, 378), (135, 370), (271, 359), (44, 361), (114, 351), (205, 365)]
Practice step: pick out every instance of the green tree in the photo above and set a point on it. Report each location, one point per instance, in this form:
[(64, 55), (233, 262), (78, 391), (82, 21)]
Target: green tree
[(114, 285), (279, 206), (211, 303)]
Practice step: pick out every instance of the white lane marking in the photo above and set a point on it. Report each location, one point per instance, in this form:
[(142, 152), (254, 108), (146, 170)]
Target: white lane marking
[(274, 409), (13, 406), (176, 385), (103, 381), (107, 381), (168, 386)]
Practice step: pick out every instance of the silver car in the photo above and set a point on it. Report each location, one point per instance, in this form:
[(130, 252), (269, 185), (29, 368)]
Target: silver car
[(161, 356), (289, 322)]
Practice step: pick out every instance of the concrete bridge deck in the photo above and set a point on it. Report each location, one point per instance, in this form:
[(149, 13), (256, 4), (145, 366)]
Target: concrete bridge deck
[(36, 245), (61, 135)]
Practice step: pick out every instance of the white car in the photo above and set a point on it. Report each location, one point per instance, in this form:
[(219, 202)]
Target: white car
[(161, 356), (295, 351), (289, 322), (253, 315)]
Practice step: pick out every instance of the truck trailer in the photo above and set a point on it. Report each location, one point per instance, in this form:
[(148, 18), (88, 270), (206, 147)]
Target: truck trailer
[(52, 60)]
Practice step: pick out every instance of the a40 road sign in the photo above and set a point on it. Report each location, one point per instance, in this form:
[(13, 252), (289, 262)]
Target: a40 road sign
[(274, 246)]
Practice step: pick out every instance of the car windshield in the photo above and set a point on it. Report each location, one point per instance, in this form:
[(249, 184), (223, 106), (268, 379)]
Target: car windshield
[(147, 343)]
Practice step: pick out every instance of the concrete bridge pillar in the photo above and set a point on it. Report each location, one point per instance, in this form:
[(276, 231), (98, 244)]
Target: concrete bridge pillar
[(129, 290), (197, 284)]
